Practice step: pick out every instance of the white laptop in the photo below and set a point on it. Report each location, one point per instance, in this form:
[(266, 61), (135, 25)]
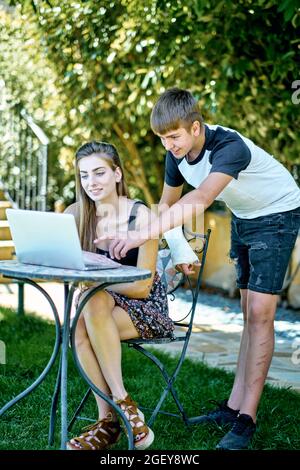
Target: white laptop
[(51, 239)]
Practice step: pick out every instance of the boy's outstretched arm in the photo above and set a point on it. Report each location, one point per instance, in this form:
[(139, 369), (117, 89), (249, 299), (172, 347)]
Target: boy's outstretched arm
[(193, 203)]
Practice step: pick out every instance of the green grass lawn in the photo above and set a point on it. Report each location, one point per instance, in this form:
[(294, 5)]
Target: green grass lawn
[(29, 343)]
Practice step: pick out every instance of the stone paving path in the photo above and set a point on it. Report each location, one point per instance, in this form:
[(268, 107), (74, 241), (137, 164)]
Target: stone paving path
[(216, 334)]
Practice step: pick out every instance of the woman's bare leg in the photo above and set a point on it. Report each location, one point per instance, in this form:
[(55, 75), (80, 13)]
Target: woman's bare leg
[(90, 365), (106, 326)]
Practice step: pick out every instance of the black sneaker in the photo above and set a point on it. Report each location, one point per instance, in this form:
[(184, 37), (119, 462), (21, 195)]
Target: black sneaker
[(240, 435), (221, 416)]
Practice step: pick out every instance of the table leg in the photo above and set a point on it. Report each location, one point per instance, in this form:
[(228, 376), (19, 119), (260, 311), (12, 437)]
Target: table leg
[(69, 293), (53, 357), (20, 298), (54, 402)]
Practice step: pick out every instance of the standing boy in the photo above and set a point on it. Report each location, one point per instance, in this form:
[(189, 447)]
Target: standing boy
[(264, 199)]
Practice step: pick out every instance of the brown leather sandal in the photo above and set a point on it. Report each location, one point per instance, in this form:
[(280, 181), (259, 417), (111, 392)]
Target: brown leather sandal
[(142, 435), (98, 436)]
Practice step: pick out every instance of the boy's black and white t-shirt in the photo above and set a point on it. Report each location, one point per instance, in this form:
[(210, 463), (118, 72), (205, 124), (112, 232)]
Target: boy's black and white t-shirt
[(261, 184)]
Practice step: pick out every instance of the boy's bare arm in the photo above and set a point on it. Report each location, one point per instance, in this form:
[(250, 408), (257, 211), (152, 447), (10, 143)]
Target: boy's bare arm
[(193, 203), (170, 196)]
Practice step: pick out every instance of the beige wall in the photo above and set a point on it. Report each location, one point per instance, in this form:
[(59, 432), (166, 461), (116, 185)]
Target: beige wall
[(219, 269)]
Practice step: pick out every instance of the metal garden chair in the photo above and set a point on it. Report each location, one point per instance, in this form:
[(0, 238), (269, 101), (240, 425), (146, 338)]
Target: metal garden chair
[(200, 246)]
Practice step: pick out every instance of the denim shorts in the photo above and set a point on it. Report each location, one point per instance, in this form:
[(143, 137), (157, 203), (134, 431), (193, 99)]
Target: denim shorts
[(261, 249)]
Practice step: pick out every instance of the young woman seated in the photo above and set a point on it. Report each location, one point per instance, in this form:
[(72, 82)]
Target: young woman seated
[(122, 311)]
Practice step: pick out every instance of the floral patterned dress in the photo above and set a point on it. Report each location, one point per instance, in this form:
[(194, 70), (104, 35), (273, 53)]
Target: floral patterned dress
[(150, 316)]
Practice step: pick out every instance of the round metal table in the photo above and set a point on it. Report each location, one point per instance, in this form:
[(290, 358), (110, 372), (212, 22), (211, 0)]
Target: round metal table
[(30, 274)]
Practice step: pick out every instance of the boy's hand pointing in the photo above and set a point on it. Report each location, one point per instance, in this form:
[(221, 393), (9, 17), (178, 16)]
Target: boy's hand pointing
[(121, 243)]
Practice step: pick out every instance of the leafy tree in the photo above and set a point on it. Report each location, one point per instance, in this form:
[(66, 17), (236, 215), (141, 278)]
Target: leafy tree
[(113, 59), (28, 82)]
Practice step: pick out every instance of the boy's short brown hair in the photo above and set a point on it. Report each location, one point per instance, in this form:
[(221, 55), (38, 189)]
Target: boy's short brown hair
[(175, 108)]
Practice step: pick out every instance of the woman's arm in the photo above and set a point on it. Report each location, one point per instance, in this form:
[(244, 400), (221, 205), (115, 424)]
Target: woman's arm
[(146, 260)]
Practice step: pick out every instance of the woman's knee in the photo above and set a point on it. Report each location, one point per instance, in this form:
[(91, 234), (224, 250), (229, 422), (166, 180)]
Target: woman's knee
[(99, 306)]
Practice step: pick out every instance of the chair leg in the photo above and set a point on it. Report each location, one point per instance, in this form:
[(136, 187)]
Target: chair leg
[(169, 379), (79, 408), (163, 396), (178, 403)]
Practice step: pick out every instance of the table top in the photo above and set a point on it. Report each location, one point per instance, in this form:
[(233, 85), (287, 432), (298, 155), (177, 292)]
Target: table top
[(12, 268)]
